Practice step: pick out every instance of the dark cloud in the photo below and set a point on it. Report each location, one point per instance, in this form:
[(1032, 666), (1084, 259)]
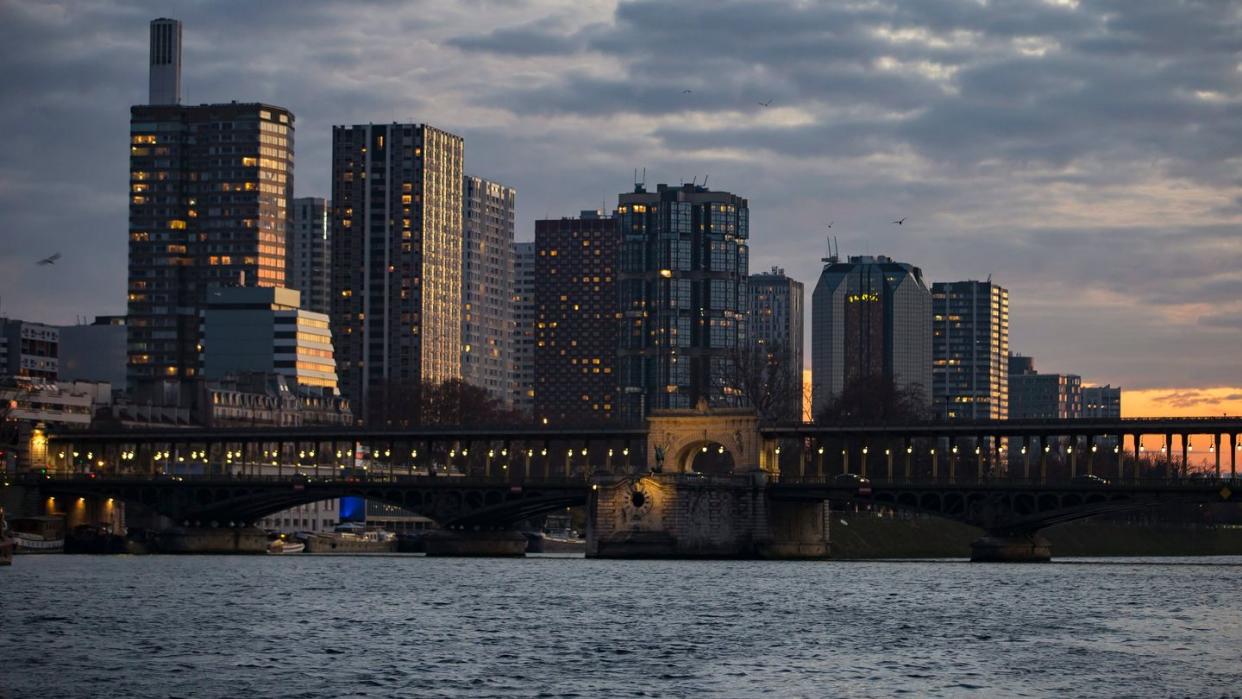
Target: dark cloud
[(1084, 154)]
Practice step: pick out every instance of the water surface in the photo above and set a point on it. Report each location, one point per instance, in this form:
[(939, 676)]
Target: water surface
[(322, 626)]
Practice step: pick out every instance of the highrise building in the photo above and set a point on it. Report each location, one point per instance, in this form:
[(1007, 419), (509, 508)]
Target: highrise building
[(487, 287), (682, 266), (870, 316), (165, 78), (970, 350), (94, 352), (1101, 401), (209, 193), (776, 320), (575, 319), (396, 259), (308, 252), (29, 350), (1036, 396), (265, 331), (524, 328)]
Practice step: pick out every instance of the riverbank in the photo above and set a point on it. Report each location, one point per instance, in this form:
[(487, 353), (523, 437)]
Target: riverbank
[(865, 536)]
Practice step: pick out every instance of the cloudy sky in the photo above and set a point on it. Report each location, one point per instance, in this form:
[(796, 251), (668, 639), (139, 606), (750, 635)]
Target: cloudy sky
[(1085, 154)]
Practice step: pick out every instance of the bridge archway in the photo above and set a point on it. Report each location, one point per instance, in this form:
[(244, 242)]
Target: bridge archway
[(676, 439), (711, 458)]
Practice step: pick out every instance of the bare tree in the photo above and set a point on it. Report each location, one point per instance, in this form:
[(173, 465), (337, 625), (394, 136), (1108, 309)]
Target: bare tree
[(766, 379), (449, 403), (875, 399)]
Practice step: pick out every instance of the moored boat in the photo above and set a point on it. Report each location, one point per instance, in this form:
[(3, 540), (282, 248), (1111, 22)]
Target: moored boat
[(351, 538), (39, 534), (284, 546)]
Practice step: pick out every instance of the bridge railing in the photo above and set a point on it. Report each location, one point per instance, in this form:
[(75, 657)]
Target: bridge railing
[(1085, 484), (377, 479)]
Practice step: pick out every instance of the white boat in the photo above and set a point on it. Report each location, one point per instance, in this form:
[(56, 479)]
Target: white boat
[(39, 534), (282, 546)]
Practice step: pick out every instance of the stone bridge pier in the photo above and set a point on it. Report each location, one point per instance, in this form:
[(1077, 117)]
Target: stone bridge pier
[(676, 511)]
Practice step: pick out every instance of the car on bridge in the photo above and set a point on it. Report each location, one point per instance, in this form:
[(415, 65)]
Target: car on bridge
[(853, 479), (1089, 479)]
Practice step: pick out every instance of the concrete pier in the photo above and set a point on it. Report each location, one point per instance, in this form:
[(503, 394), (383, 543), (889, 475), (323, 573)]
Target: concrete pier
[(211, 540), (488, 543), (688, 515), (1021, 548)]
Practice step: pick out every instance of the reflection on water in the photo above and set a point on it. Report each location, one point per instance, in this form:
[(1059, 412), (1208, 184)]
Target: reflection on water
[(380, 626)]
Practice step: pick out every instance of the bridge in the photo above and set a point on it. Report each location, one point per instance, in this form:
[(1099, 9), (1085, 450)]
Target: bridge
[(688, 483)]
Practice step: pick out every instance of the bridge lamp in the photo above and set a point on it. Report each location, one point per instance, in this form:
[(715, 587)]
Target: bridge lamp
[(302, 454), (1211, 448), (610, 453), (704, 448), (452, 453), (90, 454), (491, 453), (910, 450), (888, 452), (866, 449), (820, 450), (954, 448), (413, 453), (1164, 448), (181, 459), (530, 453), (1116, 449), (595, 486), (1093, 448), (626, 451), (75, 455), (338, 453), (1142, 448), (505, 451), (933, 451), (543, 451), (843, 452), (584, 451), (465, 452), (570, 452), (1047, 448), (778, 451), (1069, 449), (62, 455), (388, 452), (311, 453), (976, 450)]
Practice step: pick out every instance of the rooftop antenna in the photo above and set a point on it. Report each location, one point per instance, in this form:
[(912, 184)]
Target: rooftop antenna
[(705, 180), (989, 277), (694, 181)]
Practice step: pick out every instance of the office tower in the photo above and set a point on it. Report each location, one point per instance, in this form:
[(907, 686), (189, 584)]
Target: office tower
[(31, 350), (487, 287), (209, 191), (970, 350), (265, 330), (1033, 395), (776, 319), (870, 316), (396, 260), (165, 78), (524, 328), (575, 320), (1101, 401), (308, 252), (682, 268), (94, 352)]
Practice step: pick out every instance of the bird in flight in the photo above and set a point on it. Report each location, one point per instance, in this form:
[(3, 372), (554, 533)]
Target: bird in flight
[(901, 220), (766, 104), (686, 92), (49, 260), (830, 223)]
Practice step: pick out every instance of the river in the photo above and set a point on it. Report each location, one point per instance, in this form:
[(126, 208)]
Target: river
[(320, 626)]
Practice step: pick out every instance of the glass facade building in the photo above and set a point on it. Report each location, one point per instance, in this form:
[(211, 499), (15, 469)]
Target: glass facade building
[(523, 342), (870, 316), (396, 258), (776, 320), (683, 263), (970, 350)]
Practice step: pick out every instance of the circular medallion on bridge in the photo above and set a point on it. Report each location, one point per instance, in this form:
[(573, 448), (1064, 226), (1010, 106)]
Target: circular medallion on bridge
[(636, 503), (1225, 492)]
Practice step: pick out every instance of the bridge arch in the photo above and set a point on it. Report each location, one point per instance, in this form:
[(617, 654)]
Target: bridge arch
[(677, 437)]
